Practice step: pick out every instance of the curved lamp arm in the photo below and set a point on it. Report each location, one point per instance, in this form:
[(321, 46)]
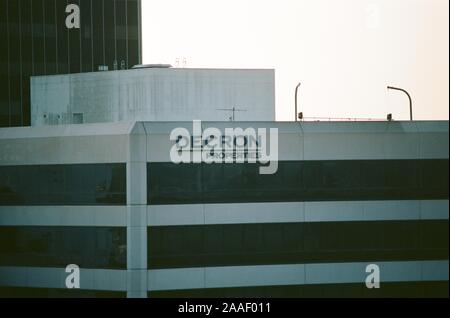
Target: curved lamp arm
[(409, 97)]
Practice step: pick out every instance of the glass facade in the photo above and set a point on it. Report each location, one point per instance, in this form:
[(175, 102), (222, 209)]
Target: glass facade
[(88, 247), (296, 243), (389, 289), (78, 184), (339, 180), (36, 41), (25, 292)]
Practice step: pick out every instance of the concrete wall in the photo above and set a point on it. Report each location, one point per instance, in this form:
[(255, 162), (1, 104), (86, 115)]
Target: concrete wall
[(153, 94), (328, 140), (139, 143)]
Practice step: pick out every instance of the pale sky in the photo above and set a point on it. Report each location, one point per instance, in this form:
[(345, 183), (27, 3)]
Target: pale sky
[(344, 52)]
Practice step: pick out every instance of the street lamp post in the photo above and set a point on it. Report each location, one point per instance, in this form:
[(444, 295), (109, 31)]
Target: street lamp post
[(409, 97), (296, 93)]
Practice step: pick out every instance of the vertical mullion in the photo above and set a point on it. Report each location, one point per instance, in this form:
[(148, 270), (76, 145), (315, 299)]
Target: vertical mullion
[(9, 62), (92, 37), (56, 37), (126, 33), (44, 25), (103, 28), (68, 45), (81, 44), (115, 35), (32, 39), (139, 33), (20, 62)]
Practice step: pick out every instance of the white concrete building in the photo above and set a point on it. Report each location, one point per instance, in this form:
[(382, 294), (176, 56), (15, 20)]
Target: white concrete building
[(154, 94), (108, 198)]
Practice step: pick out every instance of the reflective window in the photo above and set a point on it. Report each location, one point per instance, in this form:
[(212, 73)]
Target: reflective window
[(62, 38), (38, 37), (284, 243), (133, 32), (341, 290), (28, 292), (97, 33), (88, 247), (37, 42), (340, 180), (109, 15), (83, 184), (50, 37), (75, 53), (121, 33), (86, 36)]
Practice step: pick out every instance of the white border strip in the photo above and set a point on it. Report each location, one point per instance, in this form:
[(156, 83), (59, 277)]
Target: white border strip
[(42, 277), (234, 213), (295, 274), (285, 212), (63, 216), (229, 276)]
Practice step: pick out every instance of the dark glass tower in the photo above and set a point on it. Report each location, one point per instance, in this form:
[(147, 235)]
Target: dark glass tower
[(35, 41)]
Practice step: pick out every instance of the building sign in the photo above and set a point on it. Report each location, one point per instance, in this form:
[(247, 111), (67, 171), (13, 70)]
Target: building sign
[(234, 145)]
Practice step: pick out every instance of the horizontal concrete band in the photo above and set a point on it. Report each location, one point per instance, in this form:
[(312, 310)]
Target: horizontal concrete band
[(284, 212), (229, 276), (233, 213), (120, 142), (63, 216), (322, 141), (296, 274), (51, 277)]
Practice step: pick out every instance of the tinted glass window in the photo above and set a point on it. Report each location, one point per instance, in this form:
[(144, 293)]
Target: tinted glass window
[(390, 289), (341, 180), (88, 247), (84, 184), (62, 34), (26, 292), (133, 32), (284, 243), (37, 42), (86, 36), (74, 36)]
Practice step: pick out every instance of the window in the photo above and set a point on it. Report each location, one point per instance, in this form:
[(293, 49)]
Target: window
[(78, 118), (74, 38), (30, 292), (97, 33), (133, 27), (88, 247), (284, 243), (86, 36), (62, 45), (80, 184), (436, 289), (333, 180)]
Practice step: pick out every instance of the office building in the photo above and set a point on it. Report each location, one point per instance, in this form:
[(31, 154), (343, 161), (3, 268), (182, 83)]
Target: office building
[(108, 198), (36, 41)]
